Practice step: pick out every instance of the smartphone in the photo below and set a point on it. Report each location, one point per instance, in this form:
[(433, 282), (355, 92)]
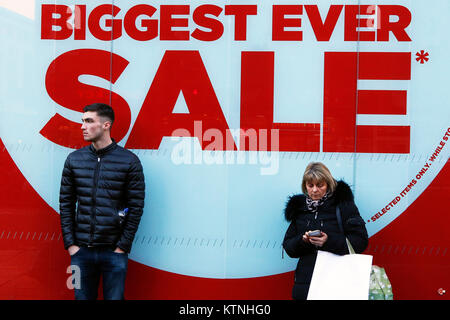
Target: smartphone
[(315, 233)]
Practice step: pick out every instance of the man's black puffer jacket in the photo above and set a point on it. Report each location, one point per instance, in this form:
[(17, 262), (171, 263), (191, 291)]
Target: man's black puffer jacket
[(301, 220), (95, 186)]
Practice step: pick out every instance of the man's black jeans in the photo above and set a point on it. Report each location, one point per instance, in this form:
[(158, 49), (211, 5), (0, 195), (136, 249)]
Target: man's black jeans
[(91, 263)]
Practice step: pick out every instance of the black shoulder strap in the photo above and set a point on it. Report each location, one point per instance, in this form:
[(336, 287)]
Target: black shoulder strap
[(339, 219)]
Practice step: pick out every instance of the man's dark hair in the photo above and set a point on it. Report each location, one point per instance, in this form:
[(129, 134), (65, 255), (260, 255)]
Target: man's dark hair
[(102, 109)]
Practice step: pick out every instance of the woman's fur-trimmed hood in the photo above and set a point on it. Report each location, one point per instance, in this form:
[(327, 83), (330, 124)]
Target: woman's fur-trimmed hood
[(297, 202)]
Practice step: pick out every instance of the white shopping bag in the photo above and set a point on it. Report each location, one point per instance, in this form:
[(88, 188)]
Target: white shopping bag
[(337, 277)]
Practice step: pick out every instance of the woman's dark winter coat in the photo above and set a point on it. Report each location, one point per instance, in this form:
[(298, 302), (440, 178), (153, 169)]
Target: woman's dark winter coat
[(301, 220)]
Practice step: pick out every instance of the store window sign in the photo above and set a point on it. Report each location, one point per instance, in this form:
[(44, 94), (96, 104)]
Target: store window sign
[(25, 8), (225, 104)]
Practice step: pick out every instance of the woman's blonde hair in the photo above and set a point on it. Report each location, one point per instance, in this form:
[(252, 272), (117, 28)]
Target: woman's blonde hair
[(318, 172)]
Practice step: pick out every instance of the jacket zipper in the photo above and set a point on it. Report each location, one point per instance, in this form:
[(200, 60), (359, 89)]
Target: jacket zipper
[(94, 207), (315, 218)]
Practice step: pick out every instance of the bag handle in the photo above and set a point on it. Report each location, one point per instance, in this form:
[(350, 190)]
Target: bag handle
[(339, 219)]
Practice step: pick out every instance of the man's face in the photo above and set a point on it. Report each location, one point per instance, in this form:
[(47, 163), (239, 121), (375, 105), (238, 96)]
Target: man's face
[(93, 127)]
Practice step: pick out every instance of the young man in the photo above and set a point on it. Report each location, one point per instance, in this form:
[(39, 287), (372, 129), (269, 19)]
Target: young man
[(101, 204)]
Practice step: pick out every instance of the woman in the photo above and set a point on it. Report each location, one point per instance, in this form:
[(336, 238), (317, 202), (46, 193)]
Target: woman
[(315, 209)]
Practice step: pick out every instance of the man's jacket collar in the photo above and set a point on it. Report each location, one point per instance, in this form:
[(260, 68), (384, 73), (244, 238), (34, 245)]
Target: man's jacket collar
[(104, 150)]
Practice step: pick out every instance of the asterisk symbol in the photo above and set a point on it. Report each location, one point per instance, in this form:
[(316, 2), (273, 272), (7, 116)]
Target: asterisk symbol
[(422, 56)]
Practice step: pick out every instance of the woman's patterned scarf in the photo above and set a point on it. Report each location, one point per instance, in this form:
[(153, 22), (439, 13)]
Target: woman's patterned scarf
[(313, 205)]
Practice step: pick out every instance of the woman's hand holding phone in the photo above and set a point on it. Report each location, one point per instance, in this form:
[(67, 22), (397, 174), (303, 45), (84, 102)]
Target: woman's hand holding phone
[(316, 237)]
